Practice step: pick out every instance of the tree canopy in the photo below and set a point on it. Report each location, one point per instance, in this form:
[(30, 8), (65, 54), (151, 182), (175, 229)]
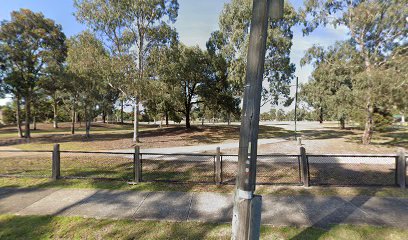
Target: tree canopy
[(29, 44)]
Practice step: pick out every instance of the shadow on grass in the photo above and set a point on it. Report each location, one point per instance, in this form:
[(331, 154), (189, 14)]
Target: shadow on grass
[(335, 210), (327, 134), (44, 227), (156, 136)]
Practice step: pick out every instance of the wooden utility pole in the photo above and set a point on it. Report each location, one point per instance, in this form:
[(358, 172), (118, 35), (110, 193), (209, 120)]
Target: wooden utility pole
[(296, 104), (247, 207)]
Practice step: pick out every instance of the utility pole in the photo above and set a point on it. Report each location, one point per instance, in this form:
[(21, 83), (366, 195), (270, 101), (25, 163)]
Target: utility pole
[(296, 101), (247, 207)]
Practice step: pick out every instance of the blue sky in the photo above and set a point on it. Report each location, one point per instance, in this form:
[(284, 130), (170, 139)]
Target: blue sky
[(196, 20)]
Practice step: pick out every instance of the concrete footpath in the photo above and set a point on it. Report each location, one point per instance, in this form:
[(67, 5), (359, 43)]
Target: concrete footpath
[(206, 207)]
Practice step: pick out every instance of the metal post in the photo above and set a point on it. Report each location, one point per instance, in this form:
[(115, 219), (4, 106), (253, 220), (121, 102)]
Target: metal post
[(246, 220), (299, 141), (56, 170), (137, 165), (401, 168), (218, 170), (304, 167)]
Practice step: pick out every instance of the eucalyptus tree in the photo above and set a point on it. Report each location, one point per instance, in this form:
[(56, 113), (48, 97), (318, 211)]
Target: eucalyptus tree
[(186, 71), (86, 57), (279, 72), (396, 71), (12, 85), (331, 88), (106, 18), (28, 43), (109, 96), (71, 95), (376, 27), (52, 80), (159, 91), (218, 94), (138, 25)]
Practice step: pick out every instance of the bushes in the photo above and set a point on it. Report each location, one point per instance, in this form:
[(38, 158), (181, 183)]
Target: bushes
[(8, 115)]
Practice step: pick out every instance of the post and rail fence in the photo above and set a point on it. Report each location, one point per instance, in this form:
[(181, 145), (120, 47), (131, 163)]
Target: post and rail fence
[(302, 169)]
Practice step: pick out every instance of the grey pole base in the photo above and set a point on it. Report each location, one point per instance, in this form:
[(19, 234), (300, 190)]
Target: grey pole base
[(247, 212)]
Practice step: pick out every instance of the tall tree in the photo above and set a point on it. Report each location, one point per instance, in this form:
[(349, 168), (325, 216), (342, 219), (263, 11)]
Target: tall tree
[(140, 24), (86, 58), (330, 89), (11, 82), (396, 71), (27, 44), (52, 81), (186, 69), (71, 95), (218, 94), (234, 24), (376, 27)]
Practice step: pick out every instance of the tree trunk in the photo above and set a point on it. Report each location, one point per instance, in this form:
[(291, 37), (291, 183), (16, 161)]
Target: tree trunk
[(188, 125), (136, 121), (141, 72), (202, 121), (34, 123), (103, 116), (342, 123), (321, 115), (121, 111), (369, 125), (27, 117), (167, 118), (18, 117), (87, 124), (73, 120), (229, 119), (88, 128), (55, 113)]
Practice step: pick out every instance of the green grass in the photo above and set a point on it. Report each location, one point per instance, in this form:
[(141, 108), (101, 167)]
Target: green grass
[(58, 227), (179, 187), (112, 185), (68, 146), (112, 136), (46, 129)]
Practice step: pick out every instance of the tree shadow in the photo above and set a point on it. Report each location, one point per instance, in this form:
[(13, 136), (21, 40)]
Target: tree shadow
[(105, 204), (325, 213), (106, 139), (326, 134)]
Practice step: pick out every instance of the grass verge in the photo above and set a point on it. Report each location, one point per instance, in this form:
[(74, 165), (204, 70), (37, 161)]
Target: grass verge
[(58, 227), (163, 186)]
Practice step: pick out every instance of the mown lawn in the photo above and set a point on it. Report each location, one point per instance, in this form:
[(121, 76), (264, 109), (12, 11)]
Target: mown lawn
[(116, 136), (57, 227), (192, 187)]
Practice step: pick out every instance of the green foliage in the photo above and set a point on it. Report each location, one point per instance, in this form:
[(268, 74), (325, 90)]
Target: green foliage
[(29, 44), (132, 29), (187, 69), (377, 29), (219, 95), (332, 80), (86, 57), (235, 23), (8, 115)]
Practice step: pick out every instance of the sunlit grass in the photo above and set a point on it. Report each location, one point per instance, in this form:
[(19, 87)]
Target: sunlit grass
[(58, 227), (194, 187)]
